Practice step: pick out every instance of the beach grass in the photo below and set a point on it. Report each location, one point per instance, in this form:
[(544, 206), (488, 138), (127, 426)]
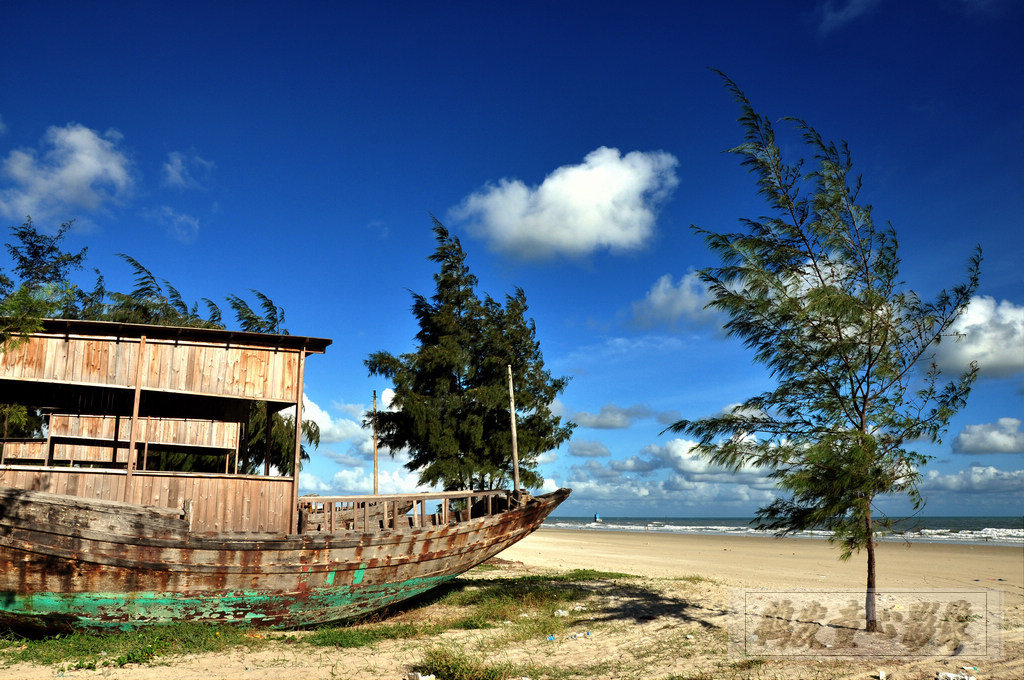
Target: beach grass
[(529, 606), (83, 650)]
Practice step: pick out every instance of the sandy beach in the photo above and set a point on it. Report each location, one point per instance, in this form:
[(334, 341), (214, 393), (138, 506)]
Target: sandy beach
[(671, 623), (751, 561)]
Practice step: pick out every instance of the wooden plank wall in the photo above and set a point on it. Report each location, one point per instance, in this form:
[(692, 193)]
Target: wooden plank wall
[(190, 367), (95, 431), (178, 431), (235, 503)]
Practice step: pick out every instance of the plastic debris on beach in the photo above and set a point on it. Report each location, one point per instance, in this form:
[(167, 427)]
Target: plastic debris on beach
[(954, 676), (414, 675), (561, 612)]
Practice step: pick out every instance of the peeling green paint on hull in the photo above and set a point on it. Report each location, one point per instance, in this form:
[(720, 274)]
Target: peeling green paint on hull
[(117, 611), (67, 570)]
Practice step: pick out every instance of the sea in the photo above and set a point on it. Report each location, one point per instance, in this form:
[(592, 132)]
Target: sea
[(1007, 531)]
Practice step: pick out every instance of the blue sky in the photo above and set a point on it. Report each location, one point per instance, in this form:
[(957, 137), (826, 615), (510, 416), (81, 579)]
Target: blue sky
[(300, 148)]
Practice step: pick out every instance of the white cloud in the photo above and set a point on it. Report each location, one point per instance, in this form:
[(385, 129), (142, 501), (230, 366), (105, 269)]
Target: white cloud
[(612, 417), (80, 171), (669, 303), (547, 458), (588, 449), (637, 464), (355, 481), (607, 201), (179, 226), (834, 15), (975, 479), (1002, 436), (182, 171), (993, 336), (332, 430), (310, 483)]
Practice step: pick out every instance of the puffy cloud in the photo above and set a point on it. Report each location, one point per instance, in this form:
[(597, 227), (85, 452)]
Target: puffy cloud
[(588, 449), (547, 458), (1002, 436), (981, 479), (182, 171), (353, 481), (80, 171), (607, 201), (680, 455), (612, 417), (992, 334), (669, 303), (310, 483), (637, 464), (332, 430)]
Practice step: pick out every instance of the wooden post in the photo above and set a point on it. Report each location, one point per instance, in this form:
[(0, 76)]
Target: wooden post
[(266, 439), (49, 440), (298, 441), (515, 443), (133, 437), (238, 445), (375, 442), (117, 439), (145, 446)]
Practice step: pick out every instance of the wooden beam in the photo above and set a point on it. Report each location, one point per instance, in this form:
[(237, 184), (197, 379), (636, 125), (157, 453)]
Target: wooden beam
[(133, 437), (298, 442)]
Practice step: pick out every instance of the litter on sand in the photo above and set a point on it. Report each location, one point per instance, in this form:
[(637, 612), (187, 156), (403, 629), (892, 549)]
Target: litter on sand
[(954, 676)]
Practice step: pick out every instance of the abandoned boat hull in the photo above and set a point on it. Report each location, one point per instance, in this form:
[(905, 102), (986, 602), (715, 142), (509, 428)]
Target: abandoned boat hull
[(70, 563)]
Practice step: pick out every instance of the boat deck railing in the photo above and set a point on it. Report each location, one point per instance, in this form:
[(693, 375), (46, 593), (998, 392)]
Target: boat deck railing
[(398, 511)]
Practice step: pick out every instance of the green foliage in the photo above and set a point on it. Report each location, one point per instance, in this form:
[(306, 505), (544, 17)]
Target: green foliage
[(814, 290), (38, 258), (271, 321), (45, 291), (452, 664), (150, 303), (96, 650), (255, 456), (363, 636), (451, 408)]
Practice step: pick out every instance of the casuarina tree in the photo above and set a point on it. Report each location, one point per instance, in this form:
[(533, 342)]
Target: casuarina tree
[(814, 289), (451, 409)]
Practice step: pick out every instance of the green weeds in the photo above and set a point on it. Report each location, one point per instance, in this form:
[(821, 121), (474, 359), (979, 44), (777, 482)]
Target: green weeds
[(96, 650)]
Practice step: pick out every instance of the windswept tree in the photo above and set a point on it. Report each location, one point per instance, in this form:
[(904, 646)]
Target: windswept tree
[(40, 290), (451, 409), (43, 289), (814, 290)]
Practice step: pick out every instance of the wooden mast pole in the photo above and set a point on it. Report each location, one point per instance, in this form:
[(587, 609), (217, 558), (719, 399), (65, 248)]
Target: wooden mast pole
[(375, 442), (134, 435), (298, 442), (515, 442)]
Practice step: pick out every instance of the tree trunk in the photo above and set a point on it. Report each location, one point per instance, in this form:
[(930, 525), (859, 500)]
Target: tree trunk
[(871, 621)]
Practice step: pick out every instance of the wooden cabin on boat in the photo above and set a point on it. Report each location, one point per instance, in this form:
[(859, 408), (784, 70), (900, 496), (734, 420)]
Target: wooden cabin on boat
[(113, 390)]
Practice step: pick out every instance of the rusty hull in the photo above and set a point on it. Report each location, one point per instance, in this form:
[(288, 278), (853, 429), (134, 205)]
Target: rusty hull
[(70, 562)]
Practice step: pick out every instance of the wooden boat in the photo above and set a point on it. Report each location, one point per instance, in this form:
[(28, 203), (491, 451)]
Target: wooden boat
[(89, 538)]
